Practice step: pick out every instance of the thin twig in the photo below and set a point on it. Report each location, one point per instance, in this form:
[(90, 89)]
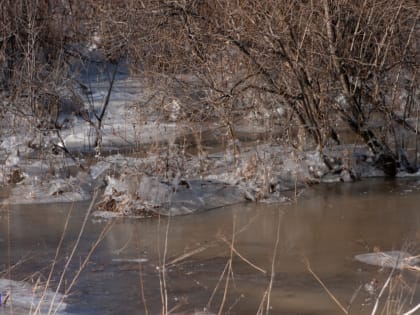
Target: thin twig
[(229, 270), (308, 266), (57, 252), (243, 258), (412, 310), (83, 265), (163, 270), (66, 266), (143, 296), (375, 307), (217, 285), (190, 253), (273, 264), (9, 255)]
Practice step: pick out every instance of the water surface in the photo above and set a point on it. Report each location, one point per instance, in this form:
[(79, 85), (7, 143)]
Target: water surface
[(328, 226)]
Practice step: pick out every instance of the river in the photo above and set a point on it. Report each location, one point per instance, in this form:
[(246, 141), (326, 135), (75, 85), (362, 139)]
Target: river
[(262, 247)]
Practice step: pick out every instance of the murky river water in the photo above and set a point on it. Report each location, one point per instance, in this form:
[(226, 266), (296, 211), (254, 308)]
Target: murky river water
[(329, 225)]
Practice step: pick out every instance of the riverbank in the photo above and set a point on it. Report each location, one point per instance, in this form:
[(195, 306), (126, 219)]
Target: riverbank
[(134, 143), (157, 165)]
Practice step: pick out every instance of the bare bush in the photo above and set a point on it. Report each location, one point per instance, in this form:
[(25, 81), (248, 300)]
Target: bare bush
[(307, 65), (320, 60)]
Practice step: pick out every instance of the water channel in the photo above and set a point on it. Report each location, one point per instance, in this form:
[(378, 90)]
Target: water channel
[(328, 226)]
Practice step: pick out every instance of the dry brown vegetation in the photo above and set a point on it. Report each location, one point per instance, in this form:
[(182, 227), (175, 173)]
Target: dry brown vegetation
[(309, 65)]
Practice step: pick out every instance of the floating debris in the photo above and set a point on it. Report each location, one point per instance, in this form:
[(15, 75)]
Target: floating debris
[(391, 259), (131, 260), (150, 196), (371, 287), (27, 298)]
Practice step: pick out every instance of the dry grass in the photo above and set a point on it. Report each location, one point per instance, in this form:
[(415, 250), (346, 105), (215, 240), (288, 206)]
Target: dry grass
[(42, 300), (330, 294), (395, 297)]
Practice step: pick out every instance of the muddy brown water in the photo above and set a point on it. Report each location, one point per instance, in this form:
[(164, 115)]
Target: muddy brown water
[(329, 225)]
